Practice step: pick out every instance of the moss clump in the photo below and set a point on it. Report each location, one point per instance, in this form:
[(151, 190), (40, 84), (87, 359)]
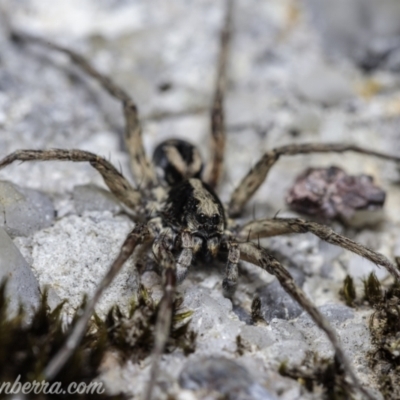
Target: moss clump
[(323, 374), (348, 291), (256, 314), (384, 326), (132, 336), (372, 290), (27, 347)]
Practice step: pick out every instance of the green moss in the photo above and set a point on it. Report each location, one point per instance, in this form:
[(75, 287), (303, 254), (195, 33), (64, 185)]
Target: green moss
[(240, 346), (26, 348), (348, 291), (384, 327), (323, 373), (256, 314), (133, 336), (372, 289)]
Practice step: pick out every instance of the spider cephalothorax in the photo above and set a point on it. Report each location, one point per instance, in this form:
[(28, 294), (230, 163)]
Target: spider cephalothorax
[(189, 205), (193, 206), (180, 218), (191, 217)]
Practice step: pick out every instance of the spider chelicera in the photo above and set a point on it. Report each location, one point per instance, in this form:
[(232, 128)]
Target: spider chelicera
[(179, 217)]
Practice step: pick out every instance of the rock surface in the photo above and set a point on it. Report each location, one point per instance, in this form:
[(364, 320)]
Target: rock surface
[(366, 31), (24, 211), (150, 46), (22, 286), (223, 376)]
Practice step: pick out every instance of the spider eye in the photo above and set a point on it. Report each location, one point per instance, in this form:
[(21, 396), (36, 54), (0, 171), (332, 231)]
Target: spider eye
[(215, 219), (201, 218)]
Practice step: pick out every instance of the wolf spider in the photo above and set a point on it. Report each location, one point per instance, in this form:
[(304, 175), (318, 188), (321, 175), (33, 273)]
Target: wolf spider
[(179, 217)]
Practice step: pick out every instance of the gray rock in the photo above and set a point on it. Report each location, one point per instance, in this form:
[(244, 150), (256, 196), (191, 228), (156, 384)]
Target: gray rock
[(287, 351), (74, 254), (322, 84), (396, 251), (366, 31), (359, 268), (214, 320), (93, 198), (224, 376), (22, 286), (24, 211), (258, 336), (393, 60), (276, 303), (300, 253), (334, 313), (356, 339)]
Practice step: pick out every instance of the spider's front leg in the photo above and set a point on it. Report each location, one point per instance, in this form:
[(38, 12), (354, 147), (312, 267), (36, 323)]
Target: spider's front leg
[(260, 257), (165, 259), (190, 246), (218, 135), (174, 272), (280, 226), (140, 235), (229, 283), (142, 169), (257, 175), (115, 181)]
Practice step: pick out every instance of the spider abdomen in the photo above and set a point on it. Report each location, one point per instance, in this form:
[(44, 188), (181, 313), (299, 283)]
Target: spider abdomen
[(177, 160)]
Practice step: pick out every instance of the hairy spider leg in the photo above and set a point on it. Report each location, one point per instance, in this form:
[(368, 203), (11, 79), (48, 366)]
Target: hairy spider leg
[(115, 181), (215, 164), (257, 175), (162, 327), (257, 255), (282, 226), (142, 168), (139, 235)]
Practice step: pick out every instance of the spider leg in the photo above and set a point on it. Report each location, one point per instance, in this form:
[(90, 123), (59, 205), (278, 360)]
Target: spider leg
[(229, 283), (256, 176), (218, 133), (142, 169), (252, 253), (164, 315), (190, 246), (139, 235), (115, 181), (281, 226)]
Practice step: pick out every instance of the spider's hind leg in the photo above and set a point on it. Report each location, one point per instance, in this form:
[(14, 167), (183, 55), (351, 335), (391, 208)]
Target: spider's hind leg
[(142, 169), (256, 255)]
